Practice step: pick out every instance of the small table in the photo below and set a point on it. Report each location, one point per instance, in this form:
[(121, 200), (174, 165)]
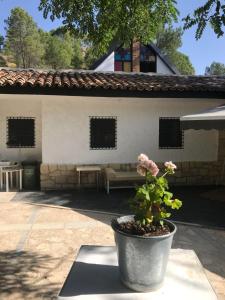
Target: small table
[(95, 276), (8, 172), (95, 169)]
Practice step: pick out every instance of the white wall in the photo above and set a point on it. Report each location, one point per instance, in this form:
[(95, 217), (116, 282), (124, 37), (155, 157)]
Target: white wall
[(65, 123), (20, 106), (107, 64), (161, 67)]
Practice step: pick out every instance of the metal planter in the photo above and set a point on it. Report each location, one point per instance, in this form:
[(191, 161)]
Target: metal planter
[(142, 260)]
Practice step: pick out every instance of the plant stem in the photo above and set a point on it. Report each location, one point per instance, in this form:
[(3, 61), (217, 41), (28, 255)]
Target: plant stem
[(165, 174)]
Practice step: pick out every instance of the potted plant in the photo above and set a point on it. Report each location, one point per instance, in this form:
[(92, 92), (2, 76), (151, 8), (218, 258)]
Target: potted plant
[(144, 239)]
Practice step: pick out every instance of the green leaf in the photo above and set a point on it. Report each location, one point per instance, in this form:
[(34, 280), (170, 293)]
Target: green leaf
[(176, 204), (161, 222), (105, 21)]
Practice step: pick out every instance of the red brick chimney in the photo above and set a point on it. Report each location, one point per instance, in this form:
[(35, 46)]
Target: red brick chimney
[(136, 48)]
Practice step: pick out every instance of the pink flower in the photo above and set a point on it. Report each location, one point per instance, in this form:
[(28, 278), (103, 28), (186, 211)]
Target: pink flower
[(142, 157), (169, 165), (145, 164), (141, 170), (151, 167)]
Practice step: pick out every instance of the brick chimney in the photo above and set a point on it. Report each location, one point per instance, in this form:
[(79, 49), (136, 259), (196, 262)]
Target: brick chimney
[(136, 48)]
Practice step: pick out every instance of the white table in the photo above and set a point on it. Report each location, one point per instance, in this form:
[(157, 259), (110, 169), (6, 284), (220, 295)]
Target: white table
[(7, 172), (95, 276), (95, 169)]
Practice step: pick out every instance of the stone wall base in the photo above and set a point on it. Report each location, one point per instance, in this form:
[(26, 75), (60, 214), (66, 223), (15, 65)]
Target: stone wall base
[(64, 177)]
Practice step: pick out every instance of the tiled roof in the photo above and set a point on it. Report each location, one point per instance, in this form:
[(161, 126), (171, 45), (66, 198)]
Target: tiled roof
[(115, 81)]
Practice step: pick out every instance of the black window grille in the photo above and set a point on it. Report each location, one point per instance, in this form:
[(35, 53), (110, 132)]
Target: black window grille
[(103, 132), (170, 133), (21, 132)]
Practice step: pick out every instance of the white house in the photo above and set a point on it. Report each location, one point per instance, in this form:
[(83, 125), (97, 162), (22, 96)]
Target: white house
[(65, 119)]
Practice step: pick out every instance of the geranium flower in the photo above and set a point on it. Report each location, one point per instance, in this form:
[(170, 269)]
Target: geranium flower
[(145, 164), (151, 167), (169, 165), (141, 170), (142, 158)]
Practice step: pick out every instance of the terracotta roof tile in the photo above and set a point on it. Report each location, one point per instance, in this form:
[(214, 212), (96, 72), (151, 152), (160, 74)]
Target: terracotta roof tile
[(111, 80)]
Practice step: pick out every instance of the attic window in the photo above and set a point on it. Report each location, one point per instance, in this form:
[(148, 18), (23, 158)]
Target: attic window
[(102, 133), (147, 60), (123, 60), (21, 132)]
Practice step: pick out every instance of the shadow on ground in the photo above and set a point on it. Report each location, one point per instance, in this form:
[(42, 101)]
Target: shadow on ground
[(20, 276), (208, 244), (201, 205)]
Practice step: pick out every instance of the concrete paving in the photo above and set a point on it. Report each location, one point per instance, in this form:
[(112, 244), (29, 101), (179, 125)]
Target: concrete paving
[(39, 244)]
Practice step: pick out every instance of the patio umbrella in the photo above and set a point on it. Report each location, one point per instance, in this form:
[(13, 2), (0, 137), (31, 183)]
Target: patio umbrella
[(210, 119)]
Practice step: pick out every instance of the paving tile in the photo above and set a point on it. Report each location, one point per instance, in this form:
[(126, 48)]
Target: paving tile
[(9, 241), (6, 196), (60, 215), (15, 213)]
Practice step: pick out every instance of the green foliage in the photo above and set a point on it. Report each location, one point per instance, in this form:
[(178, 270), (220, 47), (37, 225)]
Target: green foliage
[(215, 68), (168, 40), (212, 12), (91, 56), (152, 200), (2, 61), (1, 42), (59, 51), (182, 63), (101, 22), (78, 55), (23, 39), (33, 47)]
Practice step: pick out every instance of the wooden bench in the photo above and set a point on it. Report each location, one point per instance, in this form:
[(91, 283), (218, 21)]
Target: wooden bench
[(114, 176)]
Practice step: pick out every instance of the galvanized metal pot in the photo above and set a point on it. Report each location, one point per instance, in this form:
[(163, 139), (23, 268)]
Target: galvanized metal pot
[(142, 260)]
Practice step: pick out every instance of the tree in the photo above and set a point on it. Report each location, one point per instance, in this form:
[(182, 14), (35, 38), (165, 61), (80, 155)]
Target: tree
[(59, 52), (90, 55), (101, 22), (124, 20), (1, 42), (215, 68), (168, 40), (182, 63), (2, 61), (23, 39), (78, 54), (212, 12)]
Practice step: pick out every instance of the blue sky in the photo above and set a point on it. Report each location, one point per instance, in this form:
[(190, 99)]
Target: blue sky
[(202, 53)]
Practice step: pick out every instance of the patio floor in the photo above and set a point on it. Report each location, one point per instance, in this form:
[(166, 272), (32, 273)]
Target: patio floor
[(40, 242), (201, 205)]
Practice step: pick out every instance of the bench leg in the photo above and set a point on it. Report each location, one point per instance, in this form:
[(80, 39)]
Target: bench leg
[(7, 181), (20, 180), (107, 187), (1, 180)]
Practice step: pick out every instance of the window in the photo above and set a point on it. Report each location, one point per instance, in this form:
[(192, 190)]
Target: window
[(21, 132), (103, 132), (123, 60), (147, 60), (170, 133)]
